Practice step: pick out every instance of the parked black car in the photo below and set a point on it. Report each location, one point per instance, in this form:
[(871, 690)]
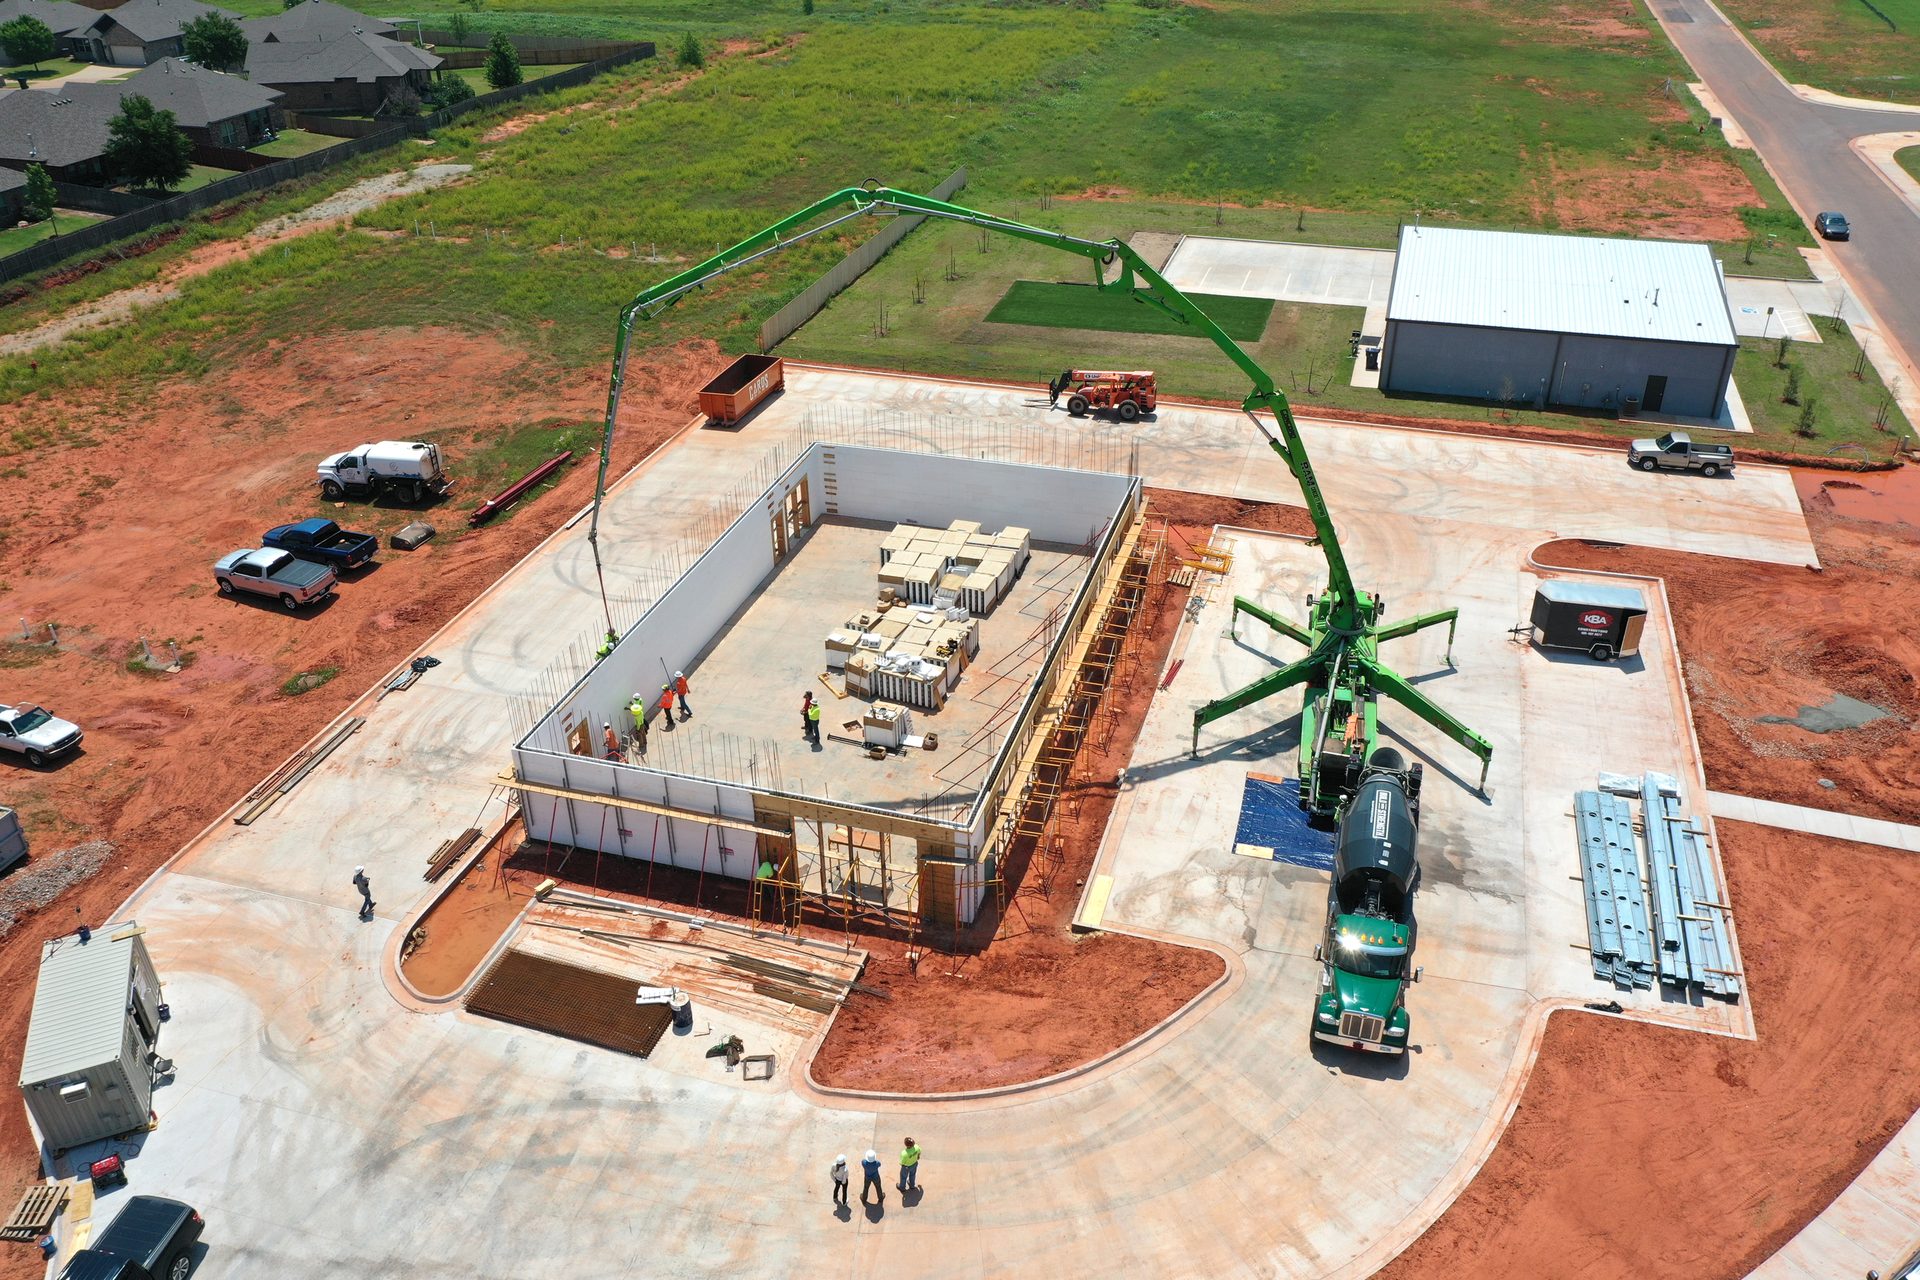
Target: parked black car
[(151, 1239), (1833, 226)]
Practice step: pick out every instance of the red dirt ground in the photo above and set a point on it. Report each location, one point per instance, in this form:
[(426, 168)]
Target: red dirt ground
[(88, 545), (1757, 640), (1642, 1153)]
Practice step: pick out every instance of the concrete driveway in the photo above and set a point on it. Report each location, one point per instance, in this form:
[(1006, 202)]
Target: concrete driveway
[(1328, 274), (1805, 140), (326, 1128)]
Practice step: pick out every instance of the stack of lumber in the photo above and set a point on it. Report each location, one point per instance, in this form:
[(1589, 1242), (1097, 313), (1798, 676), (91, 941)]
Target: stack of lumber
[(772, 980)]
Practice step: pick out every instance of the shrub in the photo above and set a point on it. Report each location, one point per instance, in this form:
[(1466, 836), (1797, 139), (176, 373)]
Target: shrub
[(691, 54), (503, 63), (1805, 428), (1791, 395), (40, 195), (444, 93)]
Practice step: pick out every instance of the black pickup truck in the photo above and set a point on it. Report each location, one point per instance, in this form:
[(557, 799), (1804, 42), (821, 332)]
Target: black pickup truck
[(151, 1239), (323, 542)]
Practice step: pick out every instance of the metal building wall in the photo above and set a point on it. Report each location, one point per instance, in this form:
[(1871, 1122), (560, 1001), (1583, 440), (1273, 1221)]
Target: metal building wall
[(1564, 369)]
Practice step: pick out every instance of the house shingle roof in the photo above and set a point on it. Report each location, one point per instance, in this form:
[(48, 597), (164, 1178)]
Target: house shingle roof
[(358, 57), (196, 96), (59, 15), (151, 20), (11, 180), (63, 127), (314, 20)]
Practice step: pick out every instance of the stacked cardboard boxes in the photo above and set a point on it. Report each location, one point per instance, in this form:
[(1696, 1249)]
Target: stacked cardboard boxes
[(910, 656), (959, 564)]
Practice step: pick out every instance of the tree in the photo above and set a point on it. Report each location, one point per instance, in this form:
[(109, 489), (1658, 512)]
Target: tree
[(40, 195), (146, 147), (459, 26), (691, 54), (403, 101), (1791, 395), (27, 39), (1806, 428), (445, 92), (503, 63), (214, 41), (806, 6)]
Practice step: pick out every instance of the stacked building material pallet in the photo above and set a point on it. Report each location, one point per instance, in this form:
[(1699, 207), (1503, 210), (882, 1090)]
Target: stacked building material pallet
[(977, 569), (568, 1000), (1690, 914), (1617, 932), (913, 656)]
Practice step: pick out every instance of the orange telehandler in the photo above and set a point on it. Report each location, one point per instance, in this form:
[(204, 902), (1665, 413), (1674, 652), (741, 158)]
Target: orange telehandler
[(1126, 395)]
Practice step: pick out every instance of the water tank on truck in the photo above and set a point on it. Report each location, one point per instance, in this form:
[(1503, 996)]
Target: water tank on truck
[(1367, 953)]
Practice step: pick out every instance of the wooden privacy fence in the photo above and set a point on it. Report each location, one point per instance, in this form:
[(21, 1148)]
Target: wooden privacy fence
[(781, 324), (149, 214)]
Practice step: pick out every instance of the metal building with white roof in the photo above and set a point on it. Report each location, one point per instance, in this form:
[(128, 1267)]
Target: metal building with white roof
[(85, 1071), (1535, 319)]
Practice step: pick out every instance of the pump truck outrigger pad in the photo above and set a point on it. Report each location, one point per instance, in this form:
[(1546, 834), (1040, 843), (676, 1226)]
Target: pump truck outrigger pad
[(1342, 672)]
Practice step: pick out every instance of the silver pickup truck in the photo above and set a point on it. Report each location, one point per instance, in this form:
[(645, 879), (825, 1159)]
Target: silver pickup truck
[(273, 573), (1676, 451)]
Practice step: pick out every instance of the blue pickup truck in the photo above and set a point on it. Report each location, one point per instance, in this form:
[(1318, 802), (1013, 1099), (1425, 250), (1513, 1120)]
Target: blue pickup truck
[(323, 542)]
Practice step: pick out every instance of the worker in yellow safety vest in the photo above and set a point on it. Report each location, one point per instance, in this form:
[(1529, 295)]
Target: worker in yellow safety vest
[(813, 723), (910, 1166), (638, 710), (606, 646)]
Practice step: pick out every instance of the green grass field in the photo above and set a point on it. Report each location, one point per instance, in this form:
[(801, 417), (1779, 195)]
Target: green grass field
[(14, 239), (1839, 45), (48, 69), (1258, 113), (476, 77), (1909, 158), (1844, 406), (296, 142), (1080, 306)]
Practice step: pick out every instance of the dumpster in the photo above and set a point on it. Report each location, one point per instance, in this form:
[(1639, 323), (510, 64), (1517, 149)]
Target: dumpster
[(13, 841), (745, 383), (1602, 621)]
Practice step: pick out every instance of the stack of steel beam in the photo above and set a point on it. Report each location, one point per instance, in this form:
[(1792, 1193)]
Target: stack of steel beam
[(1617, 933), (1690, 915)]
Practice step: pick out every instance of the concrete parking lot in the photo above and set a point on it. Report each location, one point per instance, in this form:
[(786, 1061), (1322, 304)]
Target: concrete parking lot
[(326, 1127)]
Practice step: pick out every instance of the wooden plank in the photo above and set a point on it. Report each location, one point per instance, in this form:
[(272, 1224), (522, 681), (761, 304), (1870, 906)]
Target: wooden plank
[(33, 1216)]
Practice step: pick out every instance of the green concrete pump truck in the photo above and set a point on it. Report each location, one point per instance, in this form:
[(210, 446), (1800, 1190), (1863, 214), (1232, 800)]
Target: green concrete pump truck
[(1366, 955)]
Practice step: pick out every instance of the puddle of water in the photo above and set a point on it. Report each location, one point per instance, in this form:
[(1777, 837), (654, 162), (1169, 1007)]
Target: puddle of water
[(1839, 712)]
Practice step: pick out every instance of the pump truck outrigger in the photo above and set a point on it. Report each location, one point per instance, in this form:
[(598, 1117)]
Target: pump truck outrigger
[(1341, 672)]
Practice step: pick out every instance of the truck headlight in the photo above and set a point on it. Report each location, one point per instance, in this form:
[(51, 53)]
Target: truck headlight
[(1327, 1017), (1398, 1032)]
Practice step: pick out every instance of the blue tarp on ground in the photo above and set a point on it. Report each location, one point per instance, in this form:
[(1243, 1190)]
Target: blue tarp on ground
[(1271, 819)]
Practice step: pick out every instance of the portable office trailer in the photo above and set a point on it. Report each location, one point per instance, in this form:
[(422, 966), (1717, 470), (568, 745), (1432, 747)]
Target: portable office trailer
[(1603, 621), (96, 1019)]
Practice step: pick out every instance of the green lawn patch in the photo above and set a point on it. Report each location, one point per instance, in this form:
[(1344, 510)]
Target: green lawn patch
[(307, 681), (1909, 159), (14, 239), (476, 77), (1844, 406), (1081, 306), (296, 142), (1847, 46), (45, 71)]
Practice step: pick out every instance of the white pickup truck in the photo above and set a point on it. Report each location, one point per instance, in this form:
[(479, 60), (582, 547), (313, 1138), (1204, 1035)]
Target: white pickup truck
[(37, 733), (274, 573), (1676, 451)]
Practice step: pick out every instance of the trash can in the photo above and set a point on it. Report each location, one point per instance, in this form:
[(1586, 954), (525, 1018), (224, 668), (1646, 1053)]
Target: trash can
[(1630, 407), (1373, 359), (682, 1011)]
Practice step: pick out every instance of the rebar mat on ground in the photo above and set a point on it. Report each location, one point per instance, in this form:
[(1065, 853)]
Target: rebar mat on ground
[(564, 1000)]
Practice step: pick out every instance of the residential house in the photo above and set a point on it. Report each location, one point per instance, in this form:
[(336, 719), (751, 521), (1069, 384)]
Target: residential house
[(314, 20), (141, 32), (211, 107), (64, 129), (68, 22), (355, 73), (13, 196)]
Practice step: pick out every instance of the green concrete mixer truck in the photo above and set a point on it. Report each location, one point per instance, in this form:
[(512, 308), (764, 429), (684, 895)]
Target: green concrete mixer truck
[(1367, 955)]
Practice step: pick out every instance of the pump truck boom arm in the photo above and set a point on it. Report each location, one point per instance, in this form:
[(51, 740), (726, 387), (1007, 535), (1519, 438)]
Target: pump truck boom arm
[(1344, 628)]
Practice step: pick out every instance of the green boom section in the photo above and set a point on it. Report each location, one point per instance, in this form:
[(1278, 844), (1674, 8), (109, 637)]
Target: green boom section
[(1341, 670)]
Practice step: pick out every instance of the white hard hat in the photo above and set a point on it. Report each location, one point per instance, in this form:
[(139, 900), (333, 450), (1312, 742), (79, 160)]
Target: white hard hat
[(359, 871), (679, 675), (839, 1159), (606, 724), (872, 1154), (636, 695)]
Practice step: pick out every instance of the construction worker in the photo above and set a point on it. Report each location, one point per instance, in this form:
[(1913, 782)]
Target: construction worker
[(839, 1174), (365, 887), (606, 646), (612, 740), (666, 705), (870, 1166), (910, 1166), (680, 687), (813, 722), (806, 720), (638, 710)]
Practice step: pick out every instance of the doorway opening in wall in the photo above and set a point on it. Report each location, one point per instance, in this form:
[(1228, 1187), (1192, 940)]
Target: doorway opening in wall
[(1656, 393)]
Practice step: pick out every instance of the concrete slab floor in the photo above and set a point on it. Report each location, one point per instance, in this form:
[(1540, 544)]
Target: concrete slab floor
[(325, 1129), (749, 682)]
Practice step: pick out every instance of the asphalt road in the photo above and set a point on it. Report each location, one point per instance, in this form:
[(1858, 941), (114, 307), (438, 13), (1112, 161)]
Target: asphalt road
[(1805, 144)]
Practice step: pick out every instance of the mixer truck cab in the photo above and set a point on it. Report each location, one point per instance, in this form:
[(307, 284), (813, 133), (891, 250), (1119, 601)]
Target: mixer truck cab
[(1366, 958)]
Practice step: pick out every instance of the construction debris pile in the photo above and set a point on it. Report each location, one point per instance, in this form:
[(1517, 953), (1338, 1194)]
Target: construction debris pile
[(1679, 931), (914, 656)]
